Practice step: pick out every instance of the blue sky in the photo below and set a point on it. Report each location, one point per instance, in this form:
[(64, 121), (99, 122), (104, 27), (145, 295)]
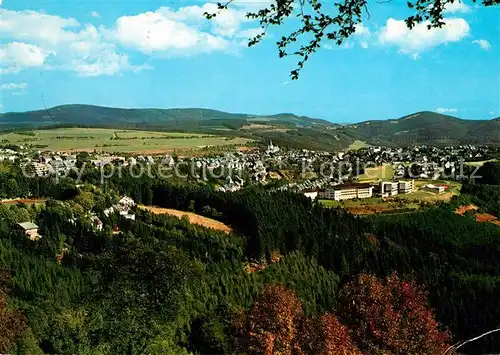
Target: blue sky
[(165, 54)]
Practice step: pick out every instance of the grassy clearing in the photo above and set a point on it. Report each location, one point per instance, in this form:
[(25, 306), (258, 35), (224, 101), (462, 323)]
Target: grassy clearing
[(384, 172), (357, 144), (110, 140), (192, 217)]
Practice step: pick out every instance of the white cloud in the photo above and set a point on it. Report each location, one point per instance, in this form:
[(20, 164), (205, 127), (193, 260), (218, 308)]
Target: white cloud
[(155, 32), (90, 58), (249, 33), (95, 14), (34, 26), (420, 38), (47, 41), (484, 44), (457, 6), (446, 110), (362, 30), (184, 31), (14, 86), (57, 43), (227, 23), (16, 56)]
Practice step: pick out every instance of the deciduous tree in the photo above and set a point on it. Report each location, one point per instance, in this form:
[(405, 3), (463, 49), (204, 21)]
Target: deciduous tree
[(391, 316)]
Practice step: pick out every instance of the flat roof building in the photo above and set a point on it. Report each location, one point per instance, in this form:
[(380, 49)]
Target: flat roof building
[(349, 191), (389, 188), (406, 187)]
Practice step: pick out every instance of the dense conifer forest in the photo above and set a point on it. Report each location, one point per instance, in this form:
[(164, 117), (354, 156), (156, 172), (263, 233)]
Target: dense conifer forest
[(292, 277)]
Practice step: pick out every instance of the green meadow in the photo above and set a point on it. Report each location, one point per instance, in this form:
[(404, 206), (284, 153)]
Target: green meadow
[(112, 140)]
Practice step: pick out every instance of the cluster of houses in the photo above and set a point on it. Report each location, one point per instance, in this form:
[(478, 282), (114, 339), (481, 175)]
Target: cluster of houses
[(123, 207), (425, 154), (264, 165), (8, 155), (44, 165)]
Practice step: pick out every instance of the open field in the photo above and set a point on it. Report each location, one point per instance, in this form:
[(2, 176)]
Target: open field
[(193, 218), (357, 144), (427, 196), (110, 140), (383, 172)]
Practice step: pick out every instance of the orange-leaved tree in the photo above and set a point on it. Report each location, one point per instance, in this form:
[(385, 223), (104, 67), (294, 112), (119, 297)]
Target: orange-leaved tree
[(271, 323), (336, 337), (390, 316), (276, 324)]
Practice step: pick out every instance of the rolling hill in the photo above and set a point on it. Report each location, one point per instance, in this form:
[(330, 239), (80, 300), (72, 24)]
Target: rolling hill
[(285, 128), (426, 128), (104, 116)]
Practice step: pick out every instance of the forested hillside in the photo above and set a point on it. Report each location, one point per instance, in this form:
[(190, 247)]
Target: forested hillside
[(162, 285), (286, 129), (427, 128)]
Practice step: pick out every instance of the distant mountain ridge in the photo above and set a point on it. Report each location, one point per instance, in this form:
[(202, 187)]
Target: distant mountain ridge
[(427, 128), (286, 128), (101, 115)]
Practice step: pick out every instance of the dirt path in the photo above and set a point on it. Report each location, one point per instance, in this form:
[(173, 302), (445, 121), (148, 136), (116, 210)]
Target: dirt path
[(193, 218)]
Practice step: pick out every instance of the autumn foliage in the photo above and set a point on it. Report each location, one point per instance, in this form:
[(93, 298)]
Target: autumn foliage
[(276, 324), (390, 316), (336, 337), (12, 323), (271, 324)]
